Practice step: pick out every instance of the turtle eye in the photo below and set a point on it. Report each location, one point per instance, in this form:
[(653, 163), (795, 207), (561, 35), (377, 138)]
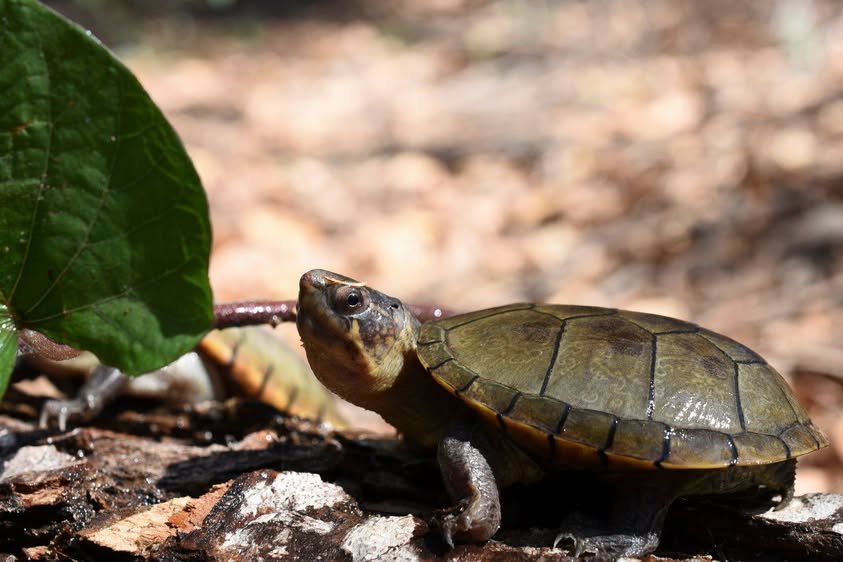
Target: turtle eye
[(350, 300)]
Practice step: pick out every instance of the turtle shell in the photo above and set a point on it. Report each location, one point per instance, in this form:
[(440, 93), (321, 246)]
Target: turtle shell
[(259, 365), (595, 386)]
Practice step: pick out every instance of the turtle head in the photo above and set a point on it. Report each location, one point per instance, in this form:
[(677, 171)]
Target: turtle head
[(356, 338)]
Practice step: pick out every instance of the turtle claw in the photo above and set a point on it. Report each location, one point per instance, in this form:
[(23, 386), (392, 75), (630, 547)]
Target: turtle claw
[(464, 522), (452, 522), (580, 545), (54, 413), (448, 526)]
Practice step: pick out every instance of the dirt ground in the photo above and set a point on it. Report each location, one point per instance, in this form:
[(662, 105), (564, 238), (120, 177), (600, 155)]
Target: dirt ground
[(682, 158)]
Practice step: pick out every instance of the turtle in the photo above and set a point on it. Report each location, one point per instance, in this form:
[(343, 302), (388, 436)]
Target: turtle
[(513, 394), (246, 361)]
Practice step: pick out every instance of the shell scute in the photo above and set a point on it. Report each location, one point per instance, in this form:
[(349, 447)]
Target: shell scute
[(566, 312), (454, 377), (752, 447), (641, 439), (436, 353), (540, 412), (764, 402), (596, 353), (513, 344), (430, 333), (452, 322), (694, 384), (589, 427), (494, 395), (657, 324), (736, 351), (700, 448), (800, 439)]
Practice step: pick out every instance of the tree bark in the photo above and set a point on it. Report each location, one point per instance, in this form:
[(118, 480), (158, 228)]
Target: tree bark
[(240, 481)]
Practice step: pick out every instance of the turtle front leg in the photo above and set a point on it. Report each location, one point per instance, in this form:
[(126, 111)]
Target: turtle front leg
[(103, 386), (470, 482)]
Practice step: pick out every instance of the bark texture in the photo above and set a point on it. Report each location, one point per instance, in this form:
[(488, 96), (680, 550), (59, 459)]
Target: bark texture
[(240, 481)]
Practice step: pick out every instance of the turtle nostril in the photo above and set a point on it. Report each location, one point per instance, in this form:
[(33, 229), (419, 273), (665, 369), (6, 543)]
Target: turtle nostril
[(310, 280)]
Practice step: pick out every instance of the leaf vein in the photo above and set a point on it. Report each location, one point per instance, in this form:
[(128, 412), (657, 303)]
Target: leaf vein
[(127, 291), (94, 217), (41, 184)]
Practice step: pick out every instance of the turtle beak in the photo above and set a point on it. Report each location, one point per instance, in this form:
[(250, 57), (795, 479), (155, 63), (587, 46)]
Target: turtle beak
[(311, 299)]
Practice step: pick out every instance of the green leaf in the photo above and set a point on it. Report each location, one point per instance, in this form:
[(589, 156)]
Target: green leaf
[(104, 230), (8, 347)]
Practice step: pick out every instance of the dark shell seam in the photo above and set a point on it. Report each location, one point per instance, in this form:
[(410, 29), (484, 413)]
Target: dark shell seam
[(490, 315), (651, 389), (649, 331), (757, 361), (607, 312), (265, 381), (738, 401), (610, 437), (668, 431), (733, 449), (434, 367), (694, 330), (467, 385), (431, 342), (814, 437), (563, 418), (791, 426), (509, 408), (505, 412), (294, 394), (235, 351), (553, 357), (792, 409), (787, 450)]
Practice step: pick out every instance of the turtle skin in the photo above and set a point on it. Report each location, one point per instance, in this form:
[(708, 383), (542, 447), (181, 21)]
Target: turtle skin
[(661, 408)]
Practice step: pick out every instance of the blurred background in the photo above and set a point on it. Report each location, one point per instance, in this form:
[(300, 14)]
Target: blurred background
[(676, 157)]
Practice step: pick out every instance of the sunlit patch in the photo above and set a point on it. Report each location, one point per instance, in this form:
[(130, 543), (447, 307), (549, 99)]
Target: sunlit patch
[(696, 413)]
